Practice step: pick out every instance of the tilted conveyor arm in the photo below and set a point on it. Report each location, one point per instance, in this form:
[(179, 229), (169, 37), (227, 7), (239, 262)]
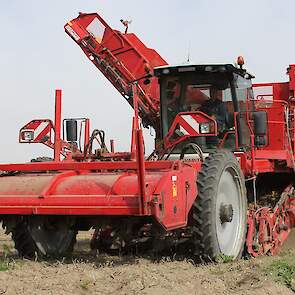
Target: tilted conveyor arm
[(122, 58)]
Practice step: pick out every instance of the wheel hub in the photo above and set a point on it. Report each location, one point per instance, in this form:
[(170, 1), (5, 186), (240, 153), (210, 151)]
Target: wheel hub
[(226, 213)]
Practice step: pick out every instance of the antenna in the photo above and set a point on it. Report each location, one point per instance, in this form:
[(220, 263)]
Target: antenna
[(189, 52)]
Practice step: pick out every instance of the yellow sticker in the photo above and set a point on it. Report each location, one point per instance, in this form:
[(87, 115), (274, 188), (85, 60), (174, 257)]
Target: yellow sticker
[(174, 186), (174, 190)]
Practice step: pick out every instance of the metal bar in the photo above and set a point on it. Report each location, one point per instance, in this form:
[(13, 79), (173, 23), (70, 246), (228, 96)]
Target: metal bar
[(60, 166), (133, 140), (141, 171), (252, 140), (86, 133), (139, 152), (57, 125), (87, 211), (83, 198), (69, 204), (112, 146), (135, 105), (262, 84)]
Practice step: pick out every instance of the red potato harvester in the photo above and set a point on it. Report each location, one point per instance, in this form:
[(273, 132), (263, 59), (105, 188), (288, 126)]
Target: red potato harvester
[(219, 182)]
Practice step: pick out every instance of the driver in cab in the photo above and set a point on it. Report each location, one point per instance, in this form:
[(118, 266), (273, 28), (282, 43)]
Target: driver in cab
[(211, 105)]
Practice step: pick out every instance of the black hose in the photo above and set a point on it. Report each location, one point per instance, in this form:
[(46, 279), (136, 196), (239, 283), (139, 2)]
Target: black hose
[(195, 148), (101, 141)]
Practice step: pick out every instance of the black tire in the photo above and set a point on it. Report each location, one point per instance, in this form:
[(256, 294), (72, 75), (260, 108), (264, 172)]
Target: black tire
[(33, 238), (57, 241), (23, 242), (208, 220)]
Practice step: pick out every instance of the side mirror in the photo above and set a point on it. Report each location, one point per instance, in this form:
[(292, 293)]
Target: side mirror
[(71, 130), (260, 128)]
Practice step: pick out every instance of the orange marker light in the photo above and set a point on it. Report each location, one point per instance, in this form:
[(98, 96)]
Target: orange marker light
[(240, 61)]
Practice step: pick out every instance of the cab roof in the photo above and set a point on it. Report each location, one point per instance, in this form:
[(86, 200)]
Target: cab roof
[(190, 68)]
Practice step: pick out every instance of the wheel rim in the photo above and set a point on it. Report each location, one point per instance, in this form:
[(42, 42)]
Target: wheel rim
[(230, 210)]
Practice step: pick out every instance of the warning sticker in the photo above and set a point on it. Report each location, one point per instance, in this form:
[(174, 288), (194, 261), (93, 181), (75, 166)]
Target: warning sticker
[(72, 33)]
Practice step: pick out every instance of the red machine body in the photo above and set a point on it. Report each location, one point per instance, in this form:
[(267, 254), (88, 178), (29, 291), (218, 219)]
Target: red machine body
[(127, 186), (109, 183), (80, 192)]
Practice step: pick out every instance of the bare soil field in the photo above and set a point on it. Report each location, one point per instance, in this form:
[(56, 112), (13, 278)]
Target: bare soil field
[(89, 273)]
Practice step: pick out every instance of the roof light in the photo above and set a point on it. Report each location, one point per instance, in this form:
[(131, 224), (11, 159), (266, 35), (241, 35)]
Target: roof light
[(186, 69), (240, 61)]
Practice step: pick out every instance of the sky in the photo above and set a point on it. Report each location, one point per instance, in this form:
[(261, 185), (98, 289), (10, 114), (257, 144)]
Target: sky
[(36, 56)]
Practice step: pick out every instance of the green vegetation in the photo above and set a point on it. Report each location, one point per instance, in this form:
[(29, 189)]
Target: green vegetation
[(84, 285), (283, 270), (223, 258), (6, 250), (6, 264)]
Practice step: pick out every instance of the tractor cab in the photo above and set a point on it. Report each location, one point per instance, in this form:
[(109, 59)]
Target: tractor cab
[(206, 105)]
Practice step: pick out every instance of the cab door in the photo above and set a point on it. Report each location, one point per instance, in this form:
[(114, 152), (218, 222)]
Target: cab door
[(244, 106)]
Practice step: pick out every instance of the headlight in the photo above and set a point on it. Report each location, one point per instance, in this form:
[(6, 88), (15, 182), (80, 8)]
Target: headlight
[(27, 136), (205, 127)]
